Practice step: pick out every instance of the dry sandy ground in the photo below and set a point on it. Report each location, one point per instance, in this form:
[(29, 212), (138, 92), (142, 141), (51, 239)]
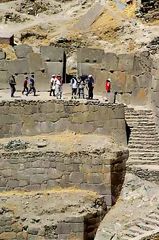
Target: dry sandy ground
[(75, 142), (36, 210)]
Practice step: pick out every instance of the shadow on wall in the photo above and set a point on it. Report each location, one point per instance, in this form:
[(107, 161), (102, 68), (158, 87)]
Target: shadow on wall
[(128, 132), (118, 171)]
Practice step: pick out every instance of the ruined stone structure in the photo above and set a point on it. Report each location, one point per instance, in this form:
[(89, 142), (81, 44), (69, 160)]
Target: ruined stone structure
[(134, 81), (50, 60), (100, 170)]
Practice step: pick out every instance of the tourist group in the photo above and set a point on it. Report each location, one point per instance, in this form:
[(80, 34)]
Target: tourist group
[(81, 87)]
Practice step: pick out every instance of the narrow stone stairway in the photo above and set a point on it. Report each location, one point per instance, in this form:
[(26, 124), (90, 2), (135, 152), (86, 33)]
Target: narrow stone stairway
[(143, 143), (143, 228)]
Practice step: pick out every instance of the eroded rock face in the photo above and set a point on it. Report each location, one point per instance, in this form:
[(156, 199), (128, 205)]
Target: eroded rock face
[(33, 7), (149, 10)]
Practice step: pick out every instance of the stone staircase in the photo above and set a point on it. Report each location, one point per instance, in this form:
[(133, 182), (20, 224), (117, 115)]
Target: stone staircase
[(143, 228), (143, 143)]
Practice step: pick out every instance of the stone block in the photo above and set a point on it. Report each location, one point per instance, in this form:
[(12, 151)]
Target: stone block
[(35, 62), (22, 50), (84, 68), (22, 236), (140, 96), (54, 68), (19, 66), (141, 64), (52, 54), (54, 173), (8, 235), (11, 184), (63, 228), (4, 78), (94, 178), (3, 65), (42, 81), (38, 179), (126, 62), (110, 62), (2, 55), (76, 177), (144, 81), (89, 55)]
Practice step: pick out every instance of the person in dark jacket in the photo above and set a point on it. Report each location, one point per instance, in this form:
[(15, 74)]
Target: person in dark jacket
[(12, 84), (32, 86), (25, 86), (90, 85)]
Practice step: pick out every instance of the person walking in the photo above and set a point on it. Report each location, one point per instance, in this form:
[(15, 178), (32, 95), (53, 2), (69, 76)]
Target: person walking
[(58, 87), (108, 88), (25, 86), (90, 85), (12, 84), (32, 86), (81, 88), (74, 86), (52, 85)]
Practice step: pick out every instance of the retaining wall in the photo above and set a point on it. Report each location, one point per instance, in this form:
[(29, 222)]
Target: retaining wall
[(101, 171), (36, 117)]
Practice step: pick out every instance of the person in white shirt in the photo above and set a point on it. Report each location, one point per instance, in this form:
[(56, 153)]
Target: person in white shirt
[(58, 87), (74, 86), (52, 85)]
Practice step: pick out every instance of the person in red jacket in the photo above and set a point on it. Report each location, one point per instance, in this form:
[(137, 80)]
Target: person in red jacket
[(108, 87)]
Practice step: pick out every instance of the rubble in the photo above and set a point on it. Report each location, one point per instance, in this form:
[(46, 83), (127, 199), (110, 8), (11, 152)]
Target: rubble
[(149, 10), (37, 6), (15, 145)]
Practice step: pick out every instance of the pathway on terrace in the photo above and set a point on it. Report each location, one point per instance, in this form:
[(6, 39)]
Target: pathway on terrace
[(143, 144)]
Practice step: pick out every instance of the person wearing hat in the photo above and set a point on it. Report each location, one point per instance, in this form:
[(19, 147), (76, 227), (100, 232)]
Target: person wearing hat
[(58, 87), (52, 85), (108, 88)]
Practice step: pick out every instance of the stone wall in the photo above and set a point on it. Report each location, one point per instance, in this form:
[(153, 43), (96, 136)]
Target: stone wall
[(36, 117), (155, 89), (101, 171), (49, 61), (130, 73)]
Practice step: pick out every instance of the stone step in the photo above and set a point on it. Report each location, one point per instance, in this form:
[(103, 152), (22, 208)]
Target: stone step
[(144, 147), (139, 123), (143, 144), (130, 234), (147, 172), (144, 140), (146, 227), (143, 128), (137, 230), (138, 117), (131, 162), (144, 135), (154, 216), (143, 154), (126, 238), (148, 220)]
